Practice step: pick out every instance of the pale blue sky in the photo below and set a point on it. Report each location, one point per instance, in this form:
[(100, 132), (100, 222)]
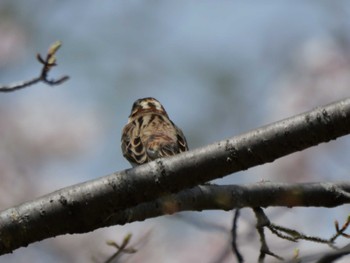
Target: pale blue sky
[(218, 67)]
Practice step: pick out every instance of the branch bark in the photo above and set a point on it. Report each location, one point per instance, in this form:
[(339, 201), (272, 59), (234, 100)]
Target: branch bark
[(87, 206), (228, 197)]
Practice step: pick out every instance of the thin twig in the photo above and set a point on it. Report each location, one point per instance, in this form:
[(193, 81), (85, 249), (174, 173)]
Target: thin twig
[(294, 236), (48, 63), (340, 231), (120, 248), (236, 252), (263, 221)]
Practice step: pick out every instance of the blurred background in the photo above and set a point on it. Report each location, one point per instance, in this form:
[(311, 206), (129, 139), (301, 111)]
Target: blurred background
[(220, 68)]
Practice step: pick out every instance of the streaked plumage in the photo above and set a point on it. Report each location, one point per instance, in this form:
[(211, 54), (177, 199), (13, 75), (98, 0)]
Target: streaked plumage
[(150, 134)]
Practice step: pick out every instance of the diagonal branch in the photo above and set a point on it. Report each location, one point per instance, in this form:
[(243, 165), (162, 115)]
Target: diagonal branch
[(334, 255), (84, 207)]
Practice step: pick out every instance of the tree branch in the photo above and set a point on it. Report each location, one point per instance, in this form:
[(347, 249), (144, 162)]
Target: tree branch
[(334, 255), (262, 222), (87, 206), (234, 244), (48, 63), (228, 197)]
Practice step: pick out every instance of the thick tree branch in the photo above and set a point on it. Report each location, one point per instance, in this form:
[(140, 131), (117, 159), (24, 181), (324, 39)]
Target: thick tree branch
[(228, 197), (88, 206)]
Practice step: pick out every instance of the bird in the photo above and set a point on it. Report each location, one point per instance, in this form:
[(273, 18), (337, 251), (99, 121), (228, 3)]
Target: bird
[(150, 134)]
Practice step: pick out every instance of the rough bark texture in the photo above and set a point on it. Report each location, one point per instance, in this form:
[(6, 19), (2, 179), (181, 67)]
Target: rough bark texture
[(87, 206), (228, 197)]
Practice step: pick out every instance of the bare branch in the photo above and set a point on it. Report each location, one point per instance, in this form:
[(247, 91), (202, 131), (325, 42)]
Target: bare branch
[(262, 222), (334, 255), (235, 249), (48, 63), (88, 206), (120, 248), (214, 197), (294, 235), (340, 231), (208, 197)]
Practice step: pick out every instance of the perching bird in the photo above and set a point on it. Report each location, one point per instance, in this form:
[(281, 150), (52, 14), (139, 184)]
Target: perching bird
[(150, 134)]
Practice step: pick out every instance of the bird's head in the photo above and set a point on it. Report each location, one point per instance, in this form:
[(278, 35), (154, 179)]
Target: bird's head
[(146, 105)]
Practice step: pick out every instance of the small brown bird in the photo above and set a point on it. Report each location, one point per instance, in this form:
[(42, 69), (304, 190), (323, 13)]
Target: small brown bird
[(150, 134)]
